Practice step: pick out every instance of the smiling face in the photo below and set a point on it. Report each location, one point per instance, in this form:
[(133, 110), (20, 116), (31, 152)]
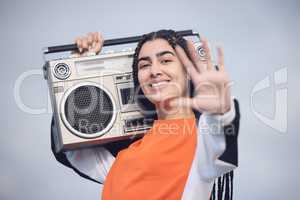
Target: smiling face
[(160, 73)]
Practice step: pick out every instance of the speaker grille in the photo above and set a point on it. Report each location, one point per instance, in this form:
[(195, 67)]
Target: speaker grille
[(88, 109)]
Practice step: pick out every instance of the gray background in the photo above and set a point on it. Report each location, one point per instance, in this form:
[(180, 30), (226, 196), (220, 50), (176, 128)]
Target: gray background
[(259, 37)]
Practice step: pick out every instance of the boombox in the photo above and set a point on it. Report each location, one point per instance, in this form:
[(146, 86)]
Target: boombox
[(93, 98)]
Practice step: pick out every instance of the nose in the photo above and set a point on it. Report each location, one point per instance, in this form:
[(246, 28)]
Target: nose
[(155, 70)]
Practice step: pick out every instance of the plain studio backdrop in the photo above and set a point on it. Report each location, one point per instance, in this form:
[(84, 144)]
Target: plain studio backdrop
[(261, 44)]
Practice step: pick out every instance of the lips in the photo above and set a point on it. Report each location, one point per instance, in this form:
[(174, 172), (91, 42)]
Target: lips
[(159, 84)]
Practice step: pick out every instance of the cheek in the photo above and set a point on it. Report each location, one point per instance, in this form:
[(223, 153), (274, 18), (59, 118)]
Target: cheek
[(142, 78), (184, 75), (180, 74), (182, 80)]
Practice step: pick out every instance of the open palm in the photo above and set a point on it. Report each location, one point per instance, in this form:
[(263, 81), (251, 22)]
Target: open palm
[(212, 84)]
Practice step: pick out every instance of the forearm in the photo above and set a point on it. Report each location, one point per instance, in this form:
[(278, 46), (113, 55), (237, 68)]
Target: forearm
[(91, 163), (217, 143)]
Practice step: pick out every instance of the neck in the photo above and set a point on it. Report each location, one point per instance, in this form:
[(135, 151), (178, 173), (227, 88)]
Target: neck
[(167, 112)]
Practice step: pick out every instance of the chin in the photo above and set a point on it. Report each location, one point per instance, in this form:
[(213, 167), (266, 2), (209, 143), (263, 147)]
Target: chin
[(160, 97)]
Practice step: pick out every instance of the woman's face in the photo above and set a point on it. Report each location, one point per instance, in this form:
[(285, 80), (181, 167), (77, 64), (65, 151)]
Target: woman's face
[(160, 72)]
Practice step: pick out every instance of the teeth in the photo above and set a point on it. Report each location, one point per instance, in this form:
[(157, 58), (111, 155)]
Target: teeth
[(159, 83)]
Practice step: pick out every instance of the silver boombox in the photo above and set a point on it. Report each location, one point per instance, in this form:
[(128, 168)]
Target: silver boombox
[(93, 97)]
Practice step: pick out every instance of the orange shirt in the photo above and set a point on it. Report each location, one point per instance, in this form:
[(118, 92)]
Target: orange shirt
[(155, 167)]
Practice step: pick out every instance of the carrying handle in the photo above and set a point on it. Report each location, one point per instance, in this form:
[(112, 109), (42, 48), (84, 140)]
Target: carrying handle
[(110, 42)]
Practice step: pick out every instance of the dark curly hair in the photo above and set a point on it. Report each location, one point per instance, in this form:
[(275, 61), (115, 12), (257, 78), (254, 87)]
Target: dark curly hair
[(173, 39)]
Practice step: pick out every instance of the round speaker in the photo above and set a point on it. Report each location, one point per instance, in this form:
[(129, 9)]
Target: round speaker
[(62, 71), (87, 110)]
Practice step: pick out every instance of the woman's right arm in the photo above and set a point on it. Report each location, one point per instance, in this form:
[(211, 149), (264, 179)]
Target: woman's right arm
[(91, 163)]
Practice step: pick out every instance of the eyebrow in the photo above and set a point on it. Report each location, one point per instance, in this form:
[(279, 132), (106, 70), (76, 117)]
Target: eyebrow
[(147, 58), (164, 53)]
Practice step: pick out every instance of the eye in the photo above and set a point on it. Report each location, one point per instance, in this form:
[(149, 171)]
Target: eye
[(142, 66), (166, 61)]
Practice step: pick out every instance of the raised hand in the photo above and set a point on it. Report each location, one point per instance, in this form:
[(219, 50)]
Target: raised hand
[(212, 84), (89, 44)]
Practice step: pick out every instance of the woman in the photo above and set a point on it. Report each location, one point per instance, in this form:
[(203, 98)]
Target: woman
[(185, 151)]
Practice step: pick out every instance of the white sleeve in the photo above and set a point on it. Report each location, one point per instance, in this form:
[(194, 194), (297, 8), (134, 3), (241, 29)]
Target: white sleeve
[(206, 165), (211, 144), (93, 162)]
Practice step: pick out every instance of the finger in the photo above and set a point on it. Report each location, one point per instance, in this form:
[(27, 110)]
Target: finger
[(78, 42), (198, 62), (99, 42), (95, 36), (84, 43), (220, 58), (214, 77), (204, 42), (90, 39), (97, 47), (189, 66)]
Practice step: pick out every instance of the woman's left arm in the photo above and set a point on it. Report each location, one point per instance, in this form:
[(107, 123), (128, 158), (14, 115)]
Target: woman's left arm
[(216, 151), (217, 144)]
